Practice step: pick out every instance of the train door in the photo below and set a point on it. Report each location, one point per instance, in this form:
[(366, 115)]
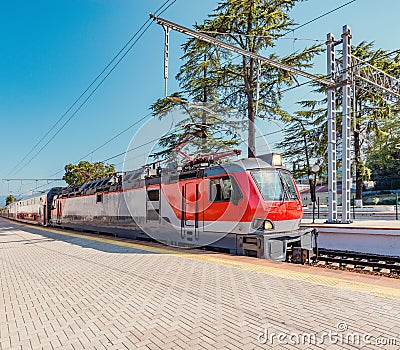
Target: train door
[(221, 211), (190, 213), (44, 215), (40, 215), (59, 212)]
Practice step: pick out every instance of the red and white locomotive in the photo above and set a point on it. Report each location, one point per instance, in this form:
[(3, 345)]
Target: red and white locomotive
[(249, 207)]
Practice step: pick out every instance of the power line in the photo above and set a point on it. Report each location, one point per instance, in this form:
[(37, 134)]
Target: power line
[(137, 147), (106, 160), (270, 133), (139, 33), (317, 18), (129, 150), (289, 31), (116, 136), (79, 97), (258, 36), (115, 67), (104, 144)]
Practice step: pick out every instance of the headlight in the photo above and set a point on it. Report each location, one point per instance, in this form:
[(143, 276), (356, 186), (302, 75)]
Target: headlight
[(268, 225), (263, 224)]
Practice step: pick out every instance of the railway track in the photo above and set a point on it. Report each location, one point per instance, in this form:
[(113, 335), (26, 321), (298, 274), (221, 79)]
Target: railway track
[(359, 262)]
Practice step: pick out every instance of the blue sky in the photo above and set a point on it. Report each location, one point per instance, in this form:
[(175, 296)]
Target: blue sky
[(52, 50)]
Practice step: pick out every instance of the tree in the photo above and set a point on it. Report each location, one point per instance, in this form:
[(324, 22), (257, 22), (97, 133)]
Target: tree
[(207, 128), (10, 199), (372, 112), (77, 174), (303, 134), (254, 25), (372, 109), (210, 74), (199, 78), (383, 155)]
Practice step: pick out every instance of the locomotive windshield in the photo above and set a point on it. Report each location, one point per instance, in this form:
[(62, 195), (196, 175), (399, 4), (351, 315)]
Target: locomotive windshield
[(275, 186), (289, 185), (269, 184)]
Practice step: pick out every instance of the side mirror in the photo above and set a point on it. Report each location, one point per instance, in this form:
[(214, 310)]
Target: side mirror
[(236, 194), (236, 197)]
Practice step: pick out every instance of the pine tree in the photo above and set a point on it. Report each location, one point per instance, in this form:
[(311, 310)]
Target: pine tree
[(255, 25), (210, 74), (372, 113)]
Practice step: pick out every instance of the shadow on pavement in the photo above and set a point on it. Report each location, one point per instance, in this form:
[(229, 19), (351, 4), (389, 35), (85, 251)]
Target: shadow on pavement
[(6, 229)]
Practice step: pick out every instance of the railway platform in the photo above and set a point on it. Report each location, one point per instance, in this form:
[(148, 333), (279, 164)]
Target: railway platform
[(68, 290), (381, 237)]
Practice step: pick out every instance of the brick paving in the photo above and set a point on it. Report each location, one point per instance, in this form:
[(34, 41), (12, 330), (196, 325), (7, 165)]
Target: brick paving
[(62, 292)]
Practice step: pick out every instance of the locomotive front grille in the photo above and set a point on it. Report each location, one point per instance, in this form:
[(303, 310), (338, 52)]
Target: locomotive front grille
[(251, 246)]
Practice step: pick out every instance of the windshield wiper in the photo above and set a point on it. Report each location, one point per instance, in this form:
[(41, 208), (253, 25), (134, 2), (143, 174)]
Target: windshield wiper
[(285, 190)]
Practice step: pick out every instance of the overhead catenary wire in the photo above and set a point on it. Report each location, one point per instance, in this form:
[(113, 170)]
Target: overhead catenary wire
[(105, 143), (317, 18), (143, 26), (259, 36), (291, 30), (287, 32), (143, 154), (127, 48), (116, 136), (282, 37), (107, 159)]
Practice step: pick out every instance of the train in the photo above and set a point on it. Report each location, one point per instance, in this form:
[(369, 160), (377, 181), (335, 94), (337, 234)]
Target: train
[(247, 207)]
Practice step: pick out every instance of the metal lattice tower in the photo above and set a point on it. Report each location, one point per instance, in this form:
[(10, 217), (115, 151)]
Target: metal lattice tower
[(343, 71), (349, 73), (346, 126), (373, 79), (331, 94)]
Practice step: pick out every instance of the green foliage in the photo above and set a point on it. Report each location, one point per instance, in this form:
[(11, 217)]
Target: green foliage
[(208, 129), (375, 119), (384, 152), (254, 25), (210, 74), (163, 106), (77, 174), (10, 199), (304, 133)]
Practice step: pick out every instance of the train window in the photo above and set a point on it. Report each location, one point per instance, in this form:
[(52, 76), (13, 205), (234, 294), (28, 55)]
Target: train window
[(269, 184), (99, 198), (220, 189), (153, 195), (127, 177), (102, 183), (289, 186)]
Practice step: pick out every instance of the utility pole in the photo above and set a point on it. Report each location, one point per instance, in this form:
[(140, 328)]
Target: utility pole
[(205, 99), (166, 58), (331, 94), (346, 126)]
